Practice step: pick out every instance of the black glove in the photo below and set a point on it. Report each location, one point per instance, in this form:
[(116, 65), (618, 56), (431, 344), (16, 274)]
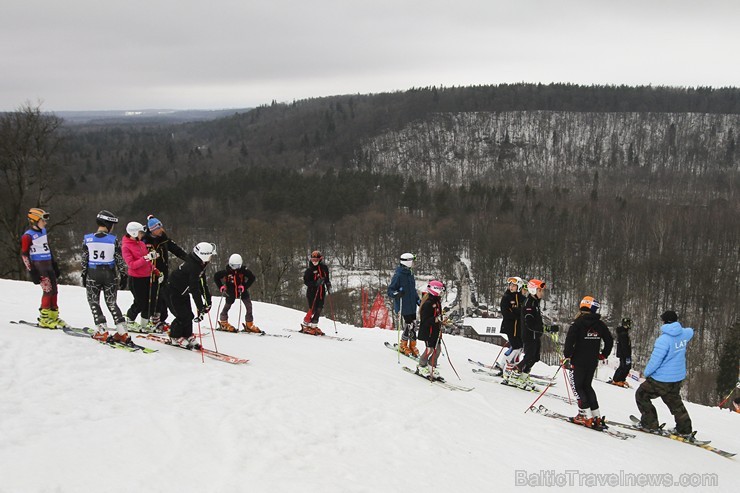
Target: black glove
[(198, 318), (320, 281), (35, 277), (123, 282), (552, 329), (206, 309), (84, 279), (55, 267)]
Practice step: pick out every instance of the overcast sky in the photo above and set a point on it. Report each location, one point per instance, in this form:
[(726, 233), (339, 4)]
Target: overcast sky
[(188, 54)]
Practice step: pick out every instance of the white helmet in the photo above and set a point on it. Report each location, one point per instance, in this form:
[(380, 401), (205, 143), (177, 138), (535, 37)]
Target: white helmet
[(205, 251), (133, 228), (235, 261), (407, 259), (516, 280)]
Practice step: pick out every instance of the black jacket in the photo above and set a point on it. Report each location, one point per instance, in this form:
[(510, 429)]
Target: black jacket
[(583, 342), (311, 280), (430, 314), (511, 310), (232, 278), (164, 246), (532, 324), (190, 278), (624, 345)]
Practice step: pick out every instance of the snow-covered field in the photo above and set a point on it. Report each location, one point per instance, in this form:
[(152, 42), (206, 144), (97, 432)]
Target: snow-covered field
[(304, 415)]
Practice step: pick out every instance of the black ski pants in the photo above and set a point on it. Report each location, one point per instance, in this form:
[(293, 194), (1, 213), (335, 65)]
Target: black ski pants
[(620, 374), (182, 325), (531, 354), (103, 280), (581, 379), (139, 287)]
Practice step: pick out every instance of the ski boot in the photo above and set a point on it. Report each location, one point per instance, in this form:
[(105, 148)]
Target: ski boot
[(583, 418), (226, 326), (101, 333), (45, 319), (250, 327), (424, 371), (311, 329), (192, 342), (58, 322), (412, 349), (404, 348), (179, 341)]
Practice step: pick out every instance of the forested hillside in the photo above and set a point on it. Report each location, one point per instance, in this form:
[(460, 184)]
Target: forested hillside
[(626, 193)]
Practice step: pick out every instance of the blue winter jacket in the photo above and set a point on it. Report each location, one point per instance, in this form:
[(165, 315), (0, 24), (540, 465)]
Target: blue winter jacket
[(403, 281), (668, 361)]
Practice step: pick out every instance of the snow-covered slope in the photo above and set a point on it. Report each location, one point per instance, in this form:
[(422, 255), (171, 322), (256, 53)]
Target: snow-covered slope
[(306, 414)]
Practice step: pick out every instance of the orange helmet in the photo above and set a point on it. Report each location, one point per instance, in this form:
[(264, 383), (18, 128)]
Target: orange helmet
[(590, 304), (534, 284), (35, 215)]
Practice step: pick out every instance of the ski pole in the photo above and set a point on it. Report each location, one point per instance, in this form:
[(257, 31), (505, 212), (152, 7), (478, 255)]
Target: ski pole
[(448, 355), (213, 332), (331, 306), (200, 335), (237, 297), (543, 392), (400, 318), (737, 385), (497, 356)]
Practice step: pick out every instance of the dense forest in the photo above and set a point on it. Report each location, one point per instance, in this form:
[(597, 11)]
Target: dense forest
[(629, 194)]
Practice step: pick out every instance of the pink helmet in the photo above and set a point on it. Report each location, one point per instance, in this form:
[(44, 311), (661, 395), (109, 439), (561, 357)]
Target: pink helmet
[(435, 288)]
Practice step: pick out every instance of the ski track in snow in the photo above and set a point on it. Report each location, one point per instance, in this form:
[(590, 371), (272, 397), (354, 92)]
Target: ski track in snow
[(305, 414)]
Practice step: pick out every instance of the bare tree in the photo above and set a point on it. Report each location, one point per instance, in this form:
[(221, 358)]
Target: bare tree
[(29, 141)]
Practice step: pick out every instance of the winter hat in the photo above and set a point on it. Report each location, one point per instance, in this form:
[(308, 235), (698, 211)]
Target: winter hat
[(627, 323), (153, 224), (669, 317)]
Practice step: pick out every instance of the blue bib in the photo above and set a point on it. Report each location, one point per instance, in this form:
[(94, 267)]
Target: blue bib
[(102, 250)]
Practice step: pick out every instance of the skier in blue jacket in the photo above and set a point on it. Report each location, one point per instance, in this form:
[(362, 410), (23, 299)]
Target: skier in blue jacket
[(402, 290), (664, 374)]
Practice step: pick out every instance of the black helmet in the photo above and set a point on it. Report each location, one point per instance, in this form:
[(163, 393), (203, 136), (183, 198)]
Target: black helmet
[(627, 323), (107, 219)]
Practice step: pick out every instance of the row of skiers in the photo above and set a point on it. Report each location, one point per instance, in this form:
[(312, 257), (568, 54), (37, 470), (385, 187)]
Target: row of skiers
[(141, 262), (587, 342)]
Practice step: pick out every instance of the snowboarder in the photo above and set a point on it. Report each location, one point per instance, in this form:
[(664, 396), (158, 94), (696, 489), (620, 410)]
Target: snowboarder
[(103, 269), (430, 329), (39, 261), (141, 274), (316, 279), (402, 290), (664, 374), (187, 280), (234, 282), (624, 353), (158, 241), (511, 304), (582, 350)]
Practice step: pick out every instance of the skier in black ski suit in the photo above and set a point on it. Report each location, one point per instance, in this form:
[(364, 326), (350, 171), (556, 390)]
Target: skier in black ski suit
[(316, 279), (583, 349), (511, 311), (189, 279), (161, 245), (624, 353)]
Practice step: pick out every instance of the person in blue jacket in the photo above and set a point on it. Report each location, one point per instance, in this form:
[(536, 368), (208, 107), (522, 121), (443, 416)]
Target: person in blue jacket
[(402, 290), (664, 374)]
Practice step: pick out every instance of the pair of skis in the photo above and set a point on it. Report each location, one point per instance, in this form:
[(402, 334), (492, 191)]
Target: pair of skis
[(440, 382), (635, 425), (324, 336), (261, 334), (207, 352), (87, 333)]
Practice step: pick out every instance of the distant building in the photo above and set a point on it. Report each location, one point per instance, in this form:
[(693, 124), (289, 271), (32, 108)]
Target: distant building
[(483, 329)]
